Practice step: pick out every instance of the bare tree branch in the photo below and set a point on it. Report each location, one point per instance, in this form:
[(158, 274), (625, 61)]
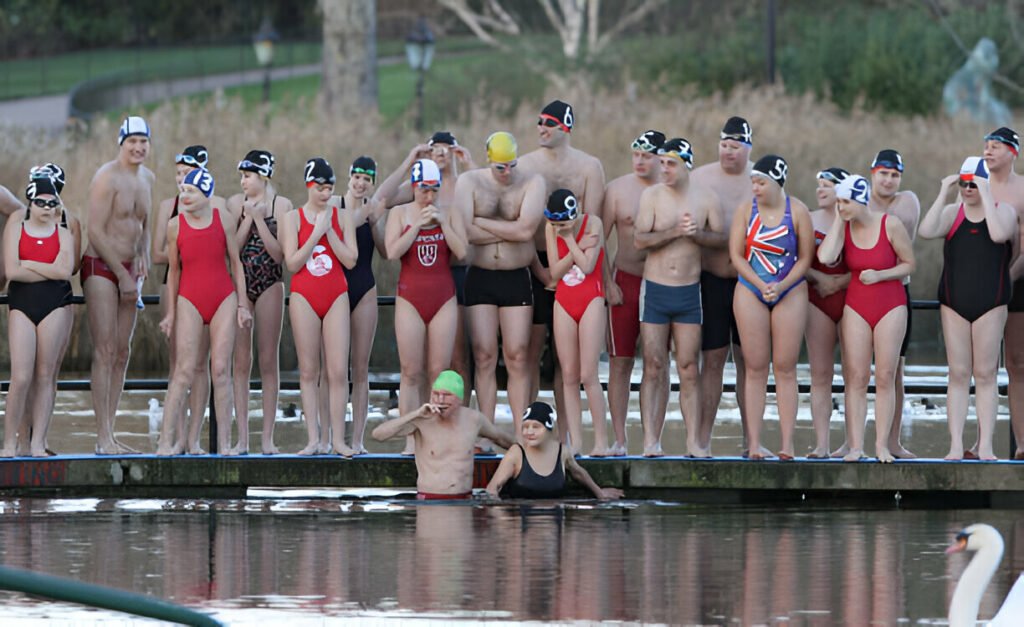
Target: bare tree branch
[(634, 16), (593, 26)]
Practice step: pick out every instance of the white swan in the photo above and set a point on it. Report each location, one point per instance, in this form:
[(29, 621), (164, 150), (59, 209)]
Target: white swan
[(988, 545)]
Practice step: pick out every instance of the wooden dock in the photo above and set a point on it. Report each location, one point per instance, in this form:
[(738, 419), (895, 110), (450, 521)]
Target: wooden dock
[(923, 483)]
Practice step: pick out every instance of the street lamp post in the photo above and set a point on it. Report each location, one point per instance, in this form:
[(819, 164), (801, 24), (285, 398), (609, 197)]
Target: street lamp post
[(263, 43), (419, 50)]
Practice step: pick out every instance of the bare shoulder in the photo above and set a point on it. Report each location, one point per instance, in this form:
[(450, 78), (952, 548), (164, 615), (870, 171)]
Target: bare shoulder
[(704, 172), (104, 174), (147, 175), (907, 201), (797, 206)]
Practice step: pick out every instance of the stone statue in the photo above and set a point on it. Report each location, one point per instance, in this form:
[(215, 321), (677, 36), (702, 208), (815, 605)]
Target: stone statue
[(969, 90)]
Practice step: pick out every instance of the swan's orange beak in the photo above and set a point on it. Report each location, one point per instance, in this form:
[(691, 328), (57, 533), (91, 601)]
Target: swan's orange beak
[(960, 544)]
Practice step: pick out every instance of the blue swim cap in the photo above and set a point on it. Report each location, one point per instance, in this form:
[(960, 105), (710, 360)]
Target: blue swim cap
[(200, 179)]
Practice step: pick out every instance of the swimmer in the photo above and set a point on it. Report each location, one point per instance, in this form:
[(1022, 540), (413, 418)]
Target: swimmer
[(39, 257), (206, 287), (974, 290), (186, 161), (676, 218), (879, 254), (575, 246), (729, 179), (521, 473), (424, 236), (501, 207), (771, 244), (619, 212), (120, 200), (258, 211), (827, 296), (318, 239), (444, 432)]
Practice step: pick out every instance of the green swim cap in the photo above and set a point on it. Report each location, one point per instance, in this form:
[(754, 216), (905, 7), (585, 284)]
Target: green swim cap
[(449, 381)]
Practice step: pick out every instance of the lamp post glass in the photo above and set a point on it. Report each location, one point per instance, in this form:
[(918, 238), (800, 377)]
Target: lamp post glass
[(419, 50)]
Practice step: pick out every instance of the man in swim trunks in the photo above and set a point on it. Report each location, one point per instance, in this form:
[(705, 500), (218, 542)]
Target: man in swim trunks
[(562, 167), (502, 207), (675, 219), (445, 432), (1001, 149), (113, 267), (729, 179), (9, 204), (621, 202), (886, 197)]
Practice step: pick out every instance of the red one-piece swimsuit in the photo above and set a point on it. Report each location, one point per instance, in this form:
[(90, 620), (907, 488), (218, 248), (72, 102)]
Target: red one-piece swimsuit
[(872, 302), (576, 290), (831, 305), (205, 281), (321, 281), (425, 280)]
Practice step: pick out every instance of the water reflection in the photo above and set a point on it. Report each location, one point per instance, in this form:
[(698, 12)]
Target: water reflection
[(644, 562)]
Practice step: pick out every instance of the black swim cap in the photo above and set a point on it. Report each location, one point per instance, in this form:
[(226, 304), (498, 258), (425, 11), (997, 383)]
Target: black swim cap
[(319, 172), (51, 170), (679, 148), (1006, 135), (649, 141), (195, 156), (542, 413), (836, 175), (888, 158), (773, 167), (738, 129), (259, 161), (442, 137), (364, 165), (562, 206), (559, 112), (39, 185)]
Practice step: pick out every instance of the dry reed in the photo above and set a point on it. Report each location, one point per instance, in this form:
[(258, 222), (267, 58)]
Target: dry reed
[(811, 134)]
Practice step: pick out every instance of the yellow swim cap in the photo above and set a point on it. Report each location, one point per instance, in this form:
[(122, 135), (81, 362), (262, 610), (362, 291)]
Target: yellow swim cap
[(501, 147)]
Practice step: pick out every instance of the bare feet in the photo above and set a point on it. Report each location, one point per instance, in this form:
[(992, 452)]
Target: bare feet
[(107, 448), (987, 454), (361, 450), (842, 451), (1019, 455), (270, 450), (599, 452), (956, 453), (164, 451), (8, 452), (313, 448), (344, 451), (901, 453), (785, 457), (883, 454), (323, 449), (819, 453), (654, 450), (124, 449), (617, 450), (853, 455), (239, 450), (196, 450)]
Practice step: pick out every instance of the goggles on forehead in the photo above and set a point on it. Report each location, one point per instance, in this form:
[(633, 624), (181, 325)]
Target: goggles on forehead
[(644, 144), (188, 160), (828, 176)]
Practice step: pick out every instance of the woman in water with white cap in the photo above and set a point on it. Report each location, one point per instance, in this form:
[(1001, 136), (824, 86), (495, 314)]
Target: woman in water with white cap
[(878, 254), (206, 288), (974, 291), (424, 236)]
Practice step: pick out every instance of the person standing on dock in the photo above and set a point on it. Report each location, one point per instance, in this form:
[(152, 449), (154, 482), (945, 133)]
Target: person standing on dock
[(444, 432), (729, 179), (113, 268), (1001, 149), (974, 290), (676, 217), (619, 211)]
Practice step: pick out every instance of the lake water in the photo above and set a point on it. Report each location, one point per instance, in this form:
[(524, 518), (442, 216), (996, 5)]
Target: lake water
[(316, 561)]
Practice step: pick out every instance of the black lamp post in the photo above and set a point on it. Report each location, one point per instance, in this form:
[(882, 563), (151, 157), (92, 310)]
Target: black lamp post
[(419, 50), (263, 43)]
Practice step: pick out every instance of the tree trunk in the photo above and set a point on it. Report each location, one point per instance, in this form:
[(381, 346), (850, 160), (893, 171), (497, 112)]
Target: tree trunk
[(349, 82)]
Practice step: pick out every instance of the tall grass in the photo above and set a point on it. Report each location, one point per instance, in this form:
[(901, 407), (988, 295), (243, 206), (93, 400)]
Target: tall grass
[(809, 133)]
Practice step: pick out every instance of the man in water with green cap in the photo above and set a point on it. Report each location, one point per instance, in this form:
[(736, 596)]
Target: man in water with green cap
[(444, 432)]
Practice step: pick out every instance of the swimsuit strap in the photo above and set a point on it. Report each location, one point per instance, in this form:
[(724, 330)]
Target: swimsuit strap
[(174, 210)]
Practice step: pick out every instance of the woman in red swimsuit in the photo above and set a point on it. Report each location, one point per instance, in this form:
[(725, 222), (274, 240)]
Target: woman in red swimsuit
[(974, 292), (257, 211), (189, 159), (425, 237), (827, 295), (879, 254), (38, 256), (317, 239), (205, 286), (575, 247)]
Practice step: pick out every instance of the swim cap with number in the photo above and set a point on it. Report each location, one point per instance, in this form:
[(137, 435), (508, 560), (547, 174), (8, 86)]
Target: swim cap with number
[(259, 161), (195, 156), (502, 147), (680, 149), (319, 172), (562, 206), (650, 142), (836, 175), (738, 129), (542, 413), (856, 188), (560, 113), (200, 179), (772, 167)]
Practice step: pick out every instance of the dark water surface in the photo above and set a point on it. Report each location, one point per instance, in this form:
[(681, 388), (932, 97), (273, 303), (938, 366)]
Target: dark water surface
[(311, 561)]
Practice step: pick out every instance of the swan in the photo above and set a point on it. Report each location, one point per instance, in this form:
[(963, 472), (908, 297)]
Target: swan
[(988, 546)]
